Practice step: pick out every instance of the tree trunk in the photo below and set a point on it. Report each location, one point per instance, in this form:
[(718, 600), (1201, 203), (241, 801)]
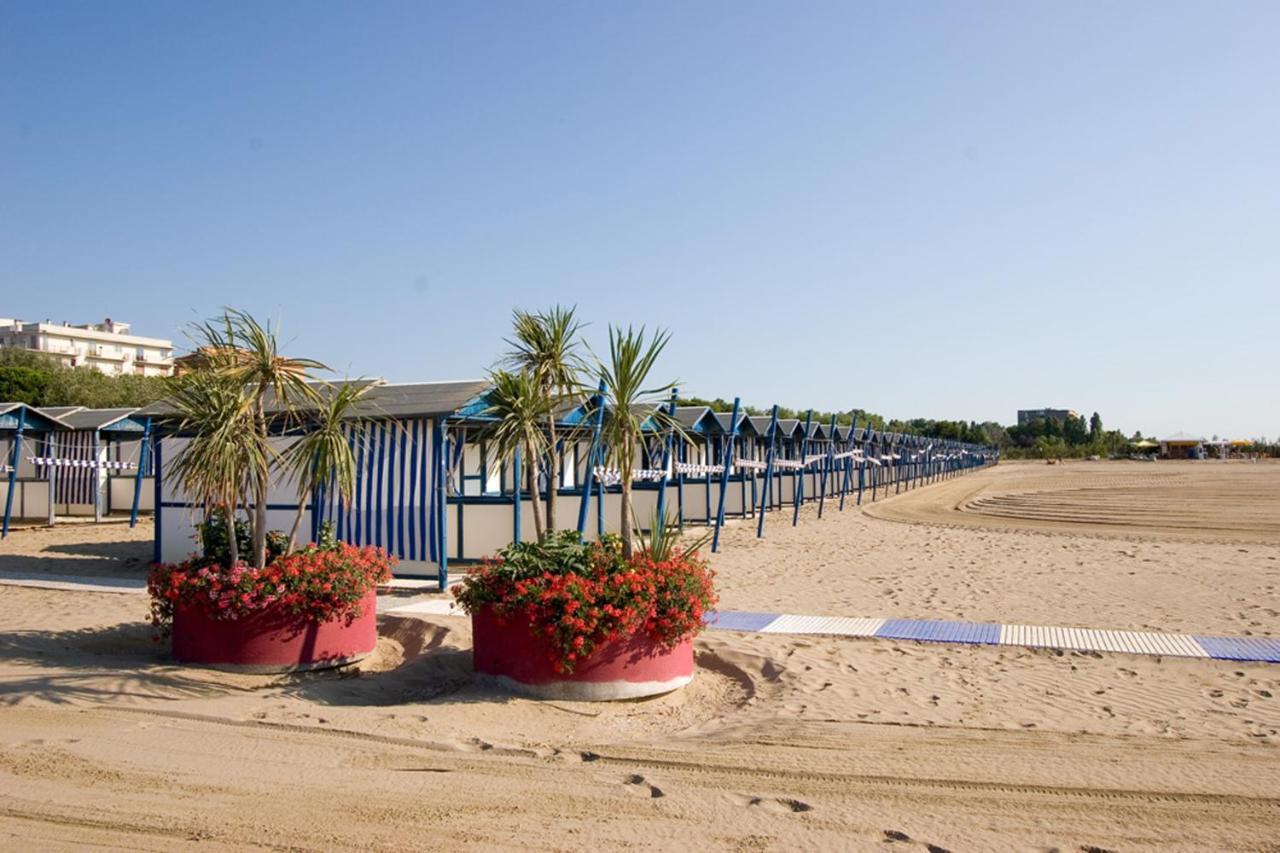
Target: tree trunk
[(260, 505), (233, 547), (293, 531), (538, 528), (553, 475), (627, 515)]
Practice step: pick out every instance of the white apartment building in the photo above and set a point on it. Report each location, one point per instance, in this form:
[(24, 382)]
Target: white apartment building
[(107, 346)]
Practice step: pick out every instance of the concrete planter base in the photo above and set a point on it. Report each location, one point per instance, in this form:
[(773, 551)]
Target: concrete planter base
[(507, 655), (273, 640)]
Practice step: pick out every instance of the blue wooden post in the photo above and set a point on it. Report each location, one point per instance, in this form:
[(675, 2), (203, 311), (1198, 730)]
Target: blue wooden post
[(864, 444), (848, 461), (683, 453), (666, 462), (772, 437), (827, 467), (588, 477), (875, 469), (804, 449), (600, 460), (14, 455), (724, 474), (908, 460), (137, 478), (442, 505), (706, 477)]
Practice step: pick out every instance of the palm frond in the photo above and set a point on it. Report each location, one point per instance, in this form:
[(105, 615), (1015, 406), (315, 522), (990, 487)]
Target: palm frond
[(520, 411), (323, 455)]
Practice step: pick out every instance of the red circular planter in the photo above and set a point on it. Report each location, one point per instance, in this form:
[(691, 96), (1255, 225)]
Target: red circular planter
[(506, 652), (273, 640)]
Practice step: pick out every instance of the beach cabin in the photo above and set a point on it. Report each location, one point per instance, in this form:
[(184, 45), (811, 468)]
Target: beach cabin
[(406, 450), (102, 460), (25, 493), (1181, 445), (429, 487), (741, 488)]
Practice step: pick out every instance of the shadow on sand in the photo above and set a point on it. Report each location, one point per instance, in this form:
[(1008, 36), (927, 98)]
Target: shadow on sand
[(96, 559), (94, 665), (413, 663)]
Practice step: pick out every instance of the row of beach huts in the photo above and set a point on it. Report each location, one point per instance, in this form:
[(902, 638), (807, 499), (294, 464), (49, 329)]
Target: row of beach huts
[(430, 490)]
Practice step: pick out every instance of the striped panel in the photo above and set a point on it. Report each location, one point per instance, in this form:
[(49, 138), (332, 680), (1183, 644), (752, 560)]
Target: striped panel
[(391, 494), (740, 620), (73, 483), (1095, 640), (1241, 648), (841, 626), (934, 631)]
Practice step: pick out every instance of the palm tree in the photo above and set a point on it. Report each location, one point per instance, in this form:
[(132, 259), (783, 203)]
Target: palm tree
[(247, 354), (521, 411), (629, 405), (323, 456), (224, 453), (545, 345)]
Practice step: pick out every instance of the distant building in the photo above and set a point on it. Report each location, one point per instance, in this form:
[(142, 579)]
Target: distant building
[(107, 346), (1182, 445), (1026, 416)]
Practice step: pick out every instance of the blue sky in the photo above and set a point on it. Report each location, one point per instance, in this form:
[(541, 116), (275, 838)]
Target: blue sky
[(924, 209)]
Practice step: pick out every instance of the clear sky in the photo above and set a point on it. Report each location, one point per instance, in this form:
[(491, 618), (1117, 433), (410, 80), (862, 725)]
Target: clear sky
[(921, 209)]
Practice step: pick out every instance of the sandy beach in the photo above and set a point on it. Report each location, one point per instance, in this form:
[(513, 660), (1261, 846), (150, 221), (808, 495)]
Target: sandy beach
[(782, 742)]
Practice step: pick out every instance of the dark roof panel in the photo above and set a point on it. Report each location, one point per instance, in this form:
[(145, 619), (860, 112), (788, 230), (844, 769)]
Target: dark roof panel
[(744, 422), (35, 419), (384, 400), (94, 418), (421, 398)]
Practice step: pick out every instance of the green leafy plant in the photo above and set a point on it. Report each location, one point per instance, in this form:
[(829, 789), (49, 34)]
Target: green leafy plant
[(545, 345), (664, 537), (521, 412), (631, 404), (324, 453)]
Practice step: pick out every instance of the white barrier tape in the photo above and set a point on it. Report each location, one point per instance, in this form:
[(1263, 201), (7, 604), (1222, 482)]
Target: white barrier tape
[(80, 463), (697, 469), (750, 464), (613, 477)]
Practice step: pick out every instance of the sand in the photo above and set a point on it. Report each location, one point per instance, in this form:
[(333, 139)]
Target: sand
[(780, 742)]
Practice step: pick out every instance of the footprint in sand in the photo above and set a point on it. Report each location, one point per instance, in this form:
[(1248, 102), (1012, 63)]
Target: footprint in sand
[(779, 804), (636, 779)]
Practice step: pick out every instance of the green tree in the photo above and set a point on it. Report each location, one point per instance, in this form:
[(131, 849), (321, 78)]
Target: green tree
[(1074, 431), (217, 464), (545, 346), (521, 410), (323, 456), (23, 385), (631, 402), (245, 355), (84, 386), (1095, 427)]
